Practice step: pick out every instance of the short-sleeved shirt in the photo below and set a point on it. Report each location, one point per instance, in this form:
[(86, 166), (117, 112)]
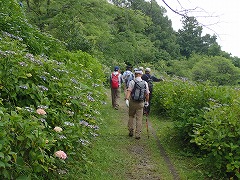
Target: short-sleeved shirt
[(132, 83)]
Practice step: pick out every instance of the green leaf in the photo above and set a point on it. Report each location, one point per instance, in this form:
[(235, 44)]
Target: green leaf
[(1, 155), (20, 138), (2, 164), (23, 178)]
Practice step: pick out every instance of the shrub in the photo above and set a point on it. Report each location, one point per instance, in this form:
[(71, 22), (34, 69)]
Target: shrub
[(39, 93), (205, 117), (219, 136)]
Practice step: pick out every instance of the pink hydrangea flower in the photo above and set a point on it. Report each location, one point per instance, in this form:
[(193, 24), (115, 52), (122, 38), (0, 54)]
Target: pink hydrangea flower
[(60, 154), (41, 111), (57, 129)]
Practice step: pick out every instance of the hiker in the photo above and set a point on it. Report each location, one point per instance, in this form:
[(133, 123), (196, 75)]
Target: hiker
[(141, 68), (127, 77), (149, 79), (115, 83), (137, 92)]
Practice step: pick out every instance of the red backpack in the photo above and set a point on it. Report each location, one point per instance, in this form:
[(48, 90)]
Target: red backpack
[(114, 81)]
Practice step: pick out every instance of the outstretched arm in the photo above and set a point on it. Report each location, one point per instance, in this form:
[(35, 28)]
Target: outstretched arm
[(156, 79)]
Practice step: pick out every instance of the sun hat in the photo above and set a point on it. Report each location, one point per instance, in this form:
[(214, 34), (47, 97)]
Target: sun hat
[(148, 70), (138, 71)]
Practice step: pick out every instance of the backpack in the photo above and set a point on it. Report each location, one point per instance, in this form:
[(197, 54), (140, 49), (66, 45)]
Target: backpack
[(115, 81), (138, 92), (128, 77), (150, 83)]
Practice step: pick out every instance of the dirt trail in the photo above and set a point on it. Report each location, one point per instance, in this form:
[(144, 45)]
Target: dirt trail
[(145, 168)]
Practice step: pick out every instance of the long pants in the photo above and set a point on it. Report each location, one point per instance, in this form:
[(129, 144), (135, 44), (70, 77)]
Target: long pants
[(115, 97), (135, 111), (147, 109)]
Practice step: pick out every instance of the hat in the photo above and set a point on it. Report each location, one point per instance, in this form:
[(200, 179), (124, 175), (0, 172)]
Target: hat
[(129, 67), (138, 71), (147, 69), (116, 68), (135, 69), (141, 68)]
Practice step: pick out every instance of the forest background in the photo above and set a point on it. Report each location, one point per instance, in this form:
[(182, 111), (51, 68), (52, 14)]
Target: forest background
[(135, 32)]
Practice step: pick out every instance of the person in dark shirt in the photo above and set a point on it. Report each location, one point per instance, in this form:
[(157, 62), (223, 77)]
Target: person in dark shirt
[(149, 79)]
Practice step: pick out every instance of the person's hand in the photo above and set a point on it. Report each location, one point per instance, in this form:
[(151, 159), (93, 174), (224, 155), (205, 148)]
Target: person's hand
[(127, 102), (146, 104)]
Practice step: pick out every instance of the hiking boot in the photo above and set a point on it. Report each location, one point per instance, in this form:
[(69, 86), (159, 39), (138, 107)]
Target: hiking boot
[(137, 138), (131, 133)]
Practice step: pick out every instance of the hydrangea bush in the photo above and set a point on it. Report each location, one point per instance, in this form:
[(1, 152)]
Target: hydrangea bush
[(207, 119), (49, 101)]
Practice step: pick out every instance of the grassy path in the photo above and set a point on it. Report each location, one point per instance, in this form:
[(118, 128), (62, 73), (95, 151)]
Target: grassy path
[(116, 156)]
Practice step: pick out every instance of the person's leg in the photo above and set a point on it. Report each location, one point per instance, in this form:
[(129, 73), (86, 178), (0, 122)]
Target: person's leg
[(131, 117), (113, 95), (139, 117), (150, 98), (117, 97)]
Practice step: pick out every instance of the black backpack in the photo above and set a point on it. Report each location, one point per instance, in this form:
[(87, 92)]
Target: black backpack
[(139, 90), (150, 83)]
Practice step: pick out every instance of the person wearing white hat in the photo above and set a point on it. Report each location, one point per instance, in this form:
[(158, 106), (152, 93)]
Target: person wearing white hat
[(137, 92), (149, 79)]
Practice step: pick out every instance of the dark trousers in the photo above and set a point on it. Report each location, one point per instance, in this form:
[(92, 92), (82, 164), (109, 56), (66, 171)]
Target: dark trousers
[(115, 96), (147, 109)]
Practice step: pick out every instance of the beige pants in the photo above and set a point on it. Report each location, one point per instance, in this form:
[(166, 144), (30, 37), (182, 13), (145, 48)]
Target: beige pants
[(135, 111), (115, 96)]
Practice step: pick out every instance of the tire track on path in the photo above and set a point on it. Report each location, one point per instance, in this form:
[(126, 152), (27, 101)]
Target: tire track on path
[(164, 154)]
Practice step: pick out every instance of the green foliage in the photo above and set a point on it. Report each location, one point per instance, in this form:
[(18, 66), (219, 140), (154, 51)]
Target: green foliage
[(49, 101), (236, 61), (206, 118), (160, 31), (191, 40), (219, 136), (12, 21), (216, 69), (70, 97), (129, 34)]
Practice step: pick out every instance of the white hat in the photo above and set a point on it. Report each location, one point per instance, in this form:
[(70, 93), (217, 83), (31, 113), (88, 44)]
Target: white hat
[(138, 71), (141, 68), (148, 70)]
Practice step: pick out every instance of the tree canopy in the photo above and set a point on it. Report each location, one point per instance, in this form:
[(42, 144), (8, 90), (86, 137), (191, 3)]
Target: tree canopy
[(123, 31)]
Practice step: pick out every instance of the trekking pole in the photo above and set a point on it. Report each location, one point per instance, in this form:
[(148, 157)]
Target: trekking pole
[(147, 122)]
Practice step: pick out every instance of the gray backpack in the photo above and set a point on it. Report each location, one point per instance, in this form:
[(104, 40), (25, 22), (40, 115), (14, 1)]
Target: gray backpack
[(139, 90)]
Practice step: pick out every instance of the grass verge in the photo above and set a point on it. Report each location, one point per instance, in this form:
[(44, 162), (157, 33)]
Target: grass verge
[(188, 165)]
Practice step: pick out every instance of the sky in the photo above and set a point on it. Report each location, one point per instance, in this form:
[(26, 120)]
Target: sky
[(220, 17)]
